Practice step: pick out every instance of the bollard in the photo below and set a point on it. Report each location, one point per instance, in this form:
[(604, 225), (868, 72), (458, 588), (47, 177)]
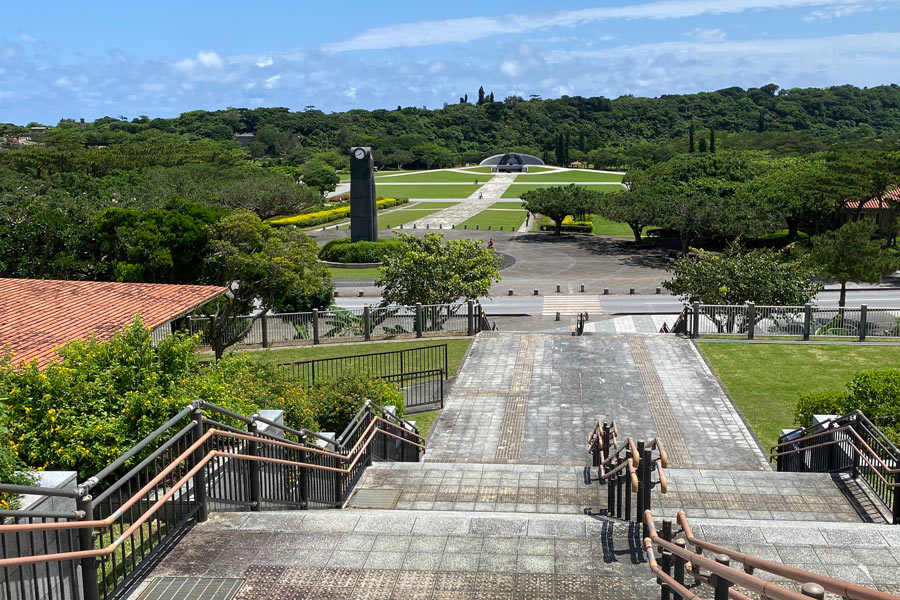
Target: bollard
[(557, 288), (631, 291), (501, 228), (606, 291), (812, 590), (414, 225), (582, 288), (535, 292), (361, 294), (440, 225), (477, 226), (427, 225), (453, 226), (490, 228), (659, 290), (465, 226), (557, 316), (510, 293), (336, 293)]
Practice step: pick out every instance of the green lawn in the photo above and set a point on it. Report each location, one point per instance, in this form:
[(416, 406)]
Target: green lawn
[(339, 273), (424, 421), (510, 220), (517, 189), (425, 191), (765, 380), (407, 215), (456, 349), (478, 169), (436, 204), (569, 176), (438, 177), (606, 227), (506, 205)]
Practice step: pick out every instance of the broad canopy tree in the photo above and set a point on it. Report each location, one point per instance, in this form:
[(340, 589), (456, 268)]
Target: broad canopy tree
[(559, 202), (431, 272), (263, 268), (850, 253)]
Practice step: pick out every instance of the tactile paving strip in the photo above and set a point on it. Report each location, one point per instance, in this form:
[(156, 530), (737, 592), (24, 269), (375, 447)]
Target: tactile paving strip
[(375, 498), (191, 588)]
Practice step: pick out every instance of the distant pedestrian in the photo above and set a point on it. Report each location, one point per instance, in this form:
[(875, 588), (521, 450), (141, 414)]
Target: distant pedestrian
[(527, 219), (476, 181), (480, 195), (491, 244)]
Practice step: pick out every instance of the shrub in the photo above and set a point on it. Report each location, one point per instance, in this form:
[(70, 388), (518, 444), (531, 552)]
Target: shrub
[(570, 225), (344, 251), (819, 403), (335, 401), (332, 214), (101, 398), (12, 470)]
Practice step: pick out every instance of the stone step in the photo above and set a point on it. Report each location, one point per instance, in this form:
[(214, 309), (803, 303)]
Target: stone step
[(436, 554)]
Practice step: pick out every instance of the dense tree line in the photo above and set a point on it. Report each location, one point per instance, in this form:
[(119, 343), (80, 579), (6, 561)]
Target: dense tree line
[(624, 132)]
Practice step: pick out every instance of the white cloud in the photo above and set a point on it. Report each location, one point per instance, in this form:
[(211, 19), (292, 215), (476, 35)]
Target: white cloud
[(272, 81), (350, 93), (446, 31), (27, 38), (510, 67), (264, 61), (836, 12), (706, 35), (205, 60)]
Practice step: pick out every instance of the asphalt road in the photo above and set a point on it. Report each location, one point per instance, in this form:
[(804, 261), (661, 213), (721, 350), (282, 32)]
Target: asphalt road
[(532, 305)]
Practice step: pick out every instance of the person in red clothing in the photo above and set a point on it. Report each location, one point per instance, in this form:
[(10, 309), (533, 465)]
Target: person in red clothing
[(491, 243)]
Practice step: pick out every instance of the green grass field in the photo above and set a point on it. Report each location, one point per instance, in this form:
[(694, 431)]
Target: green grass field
[(477, 169), (765, 380), (425, 191), (517, 189), (437, 177), (508, 219), (339, 273), (506, 205), (606, 227), (569, 176), (407, 215), (456, 349)]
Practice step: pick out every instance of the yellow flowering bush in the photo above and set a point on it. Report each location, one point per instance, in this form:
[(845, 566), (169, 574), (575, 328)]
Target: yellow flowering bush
[(332, 214)]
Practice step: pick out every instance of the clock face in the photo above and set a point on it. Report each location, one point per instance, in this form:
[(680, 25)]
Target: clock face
[(359, 153)]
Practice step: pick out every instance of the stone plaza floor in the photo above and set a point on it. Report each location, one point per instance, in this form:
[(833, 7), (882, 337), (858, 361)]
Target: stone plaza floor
[(503, 506)]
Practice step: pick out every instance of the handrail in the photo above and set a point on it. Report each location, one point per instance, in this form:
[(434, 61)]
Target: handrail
[(849, 428), (845, 589)]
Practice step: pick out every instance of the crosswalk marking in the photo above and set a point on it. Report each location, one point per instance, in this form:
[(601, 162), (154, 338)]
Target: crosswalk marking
[(571, 304)]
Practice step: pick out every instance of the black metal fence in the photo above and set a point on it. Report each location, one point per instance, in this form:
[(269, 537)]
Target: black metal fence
[(851, 444), (418, 372), (128, 515)]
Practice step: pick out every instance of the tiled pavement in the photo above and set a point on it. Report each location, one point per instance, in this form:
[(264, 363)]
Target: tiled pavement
[(501, 508)]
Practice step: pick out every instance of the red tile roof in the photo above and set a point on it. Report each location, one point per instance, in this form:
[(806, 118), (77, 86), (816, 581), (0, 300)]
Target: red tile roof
[(37, 315), (890, 199)]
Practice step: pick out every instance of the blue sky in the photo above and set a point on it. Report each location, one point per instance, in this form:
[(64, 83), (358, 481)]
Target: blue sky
[(69, 59)]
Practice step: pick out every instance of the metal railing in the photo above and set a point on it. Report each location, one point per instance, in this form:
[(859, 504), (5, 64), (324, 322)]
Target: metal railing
[(800, 322), (582, 320), (677, 560), (418, 372), (345, 324), (849, 443), (627, 468), (130, 513)]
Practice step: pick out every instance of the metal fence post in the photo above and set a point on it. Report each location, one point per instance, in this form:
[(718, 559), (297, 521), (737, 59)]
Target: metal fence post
[(679, 566), (367, 323), (470, 317), (265, 329), (253, 450), (807, 321), (628, 492), (200, 477), (665, 592), (315, 325), (646, 485), (896, 510), (418, 319), (695, 320), (640, 476), (89, 576), (721, 583), (863, 321), (751, 320), (304, 482)]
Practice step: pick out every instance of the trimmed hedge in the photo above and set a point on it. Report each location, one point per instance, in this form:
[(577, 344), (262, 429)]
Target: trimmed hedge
[(344, 251), (332, 214), (569, 225)]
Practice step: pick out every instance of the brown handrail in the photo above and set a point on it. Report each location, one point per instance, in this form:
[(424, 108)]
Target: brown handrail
[(844, 589)]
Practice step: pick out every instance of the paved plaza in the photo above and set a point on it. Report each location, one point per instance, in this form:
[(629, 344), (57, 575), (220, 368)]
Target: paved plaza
[(504, 507)]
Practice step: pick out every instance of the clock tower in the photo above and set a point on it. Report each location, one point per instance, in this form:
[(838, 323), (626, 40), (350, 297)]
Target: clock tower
[(363, 211)]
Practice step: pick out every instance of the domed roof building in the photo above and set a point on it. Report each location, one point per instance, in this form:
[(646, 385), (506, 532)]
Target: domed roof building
[(511, 162)]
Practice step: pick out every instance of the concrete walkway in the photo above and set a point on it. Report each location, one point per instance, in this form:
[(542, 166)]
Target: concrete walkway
[(495, 187), (447, 218)]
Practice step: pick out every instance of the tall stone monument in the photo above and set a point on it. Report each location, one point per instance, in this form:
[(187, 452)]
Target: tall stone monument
[(363, 211)]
